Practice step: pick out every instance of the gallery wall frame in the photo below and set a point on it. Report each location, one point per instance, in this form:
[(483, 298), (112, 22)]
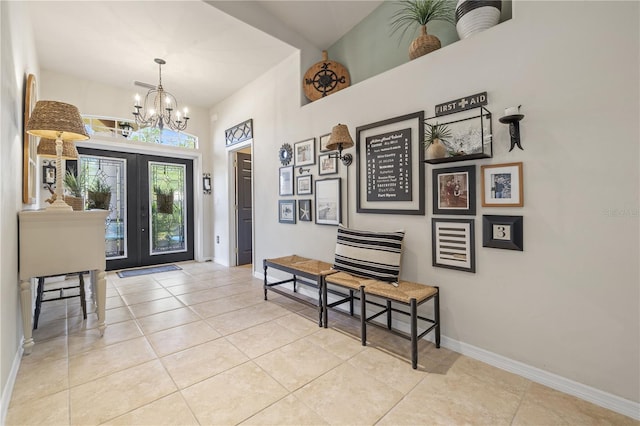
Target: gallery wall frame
[(327, 164), (454, 190), (389, 166), (304, 185), (503, 232), (286, 180), (502, 185), (328, 201), (287, 211), (304, 152), (323, 142), (304, 211), (453, 244)]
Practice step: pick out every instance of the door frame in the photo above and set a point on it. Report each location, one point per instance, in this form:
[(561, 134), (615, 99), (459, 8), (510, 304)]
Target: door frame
[(166, 151), (232, 188)]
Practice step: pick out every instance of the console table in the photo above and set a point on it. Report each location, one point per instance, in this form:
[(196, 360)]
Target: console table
[(58, 243)]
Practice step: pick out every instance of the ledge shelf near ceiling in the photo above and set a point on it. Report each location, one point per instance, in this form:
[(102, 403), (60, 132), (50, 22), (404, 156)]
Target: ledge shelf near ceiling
[(473, 133)]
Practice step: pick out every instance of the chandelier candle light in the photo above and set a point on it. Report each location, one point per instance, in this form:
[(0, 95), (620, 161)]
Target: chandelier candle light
[(158, 107)]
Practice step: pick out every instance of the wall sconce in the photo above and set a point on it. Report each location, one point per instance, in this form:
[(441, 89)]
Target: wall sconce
[(206, 183), (512, 117), (339, 140)]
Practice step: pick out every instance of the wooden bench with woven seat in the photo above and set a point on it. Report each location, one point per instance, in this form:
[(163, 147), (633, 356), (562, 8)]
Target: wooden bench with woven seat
[(406, 293)]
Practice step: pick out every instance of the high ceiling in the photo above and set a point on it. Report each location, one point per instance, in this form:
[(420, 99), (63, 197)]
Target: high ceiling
[(209, 53)]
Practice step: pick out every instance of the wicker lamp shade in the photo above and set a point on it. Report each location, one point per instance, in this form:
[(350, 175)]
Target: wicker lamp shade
[(47, 148), (340, 138), (52, 119)]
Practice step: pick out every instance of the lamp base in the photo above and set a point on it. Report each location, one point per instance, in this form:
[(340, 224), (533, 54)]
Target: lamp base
[(59, 206)]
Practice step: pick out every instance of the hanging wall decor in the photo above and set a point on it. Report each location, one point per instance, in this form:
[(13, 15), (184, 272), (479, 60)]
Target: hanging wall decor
[(452, 244), (473, 16), (324, 78)]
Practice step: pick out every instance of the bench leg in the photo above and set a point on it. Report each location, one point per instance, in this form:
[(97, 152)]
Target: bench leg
[(325, 309), (320, 300), (264, 265), (351, 302), (40, 292), (363, 317), (389, 314), (436, 315), (414, 334), (83, 296)]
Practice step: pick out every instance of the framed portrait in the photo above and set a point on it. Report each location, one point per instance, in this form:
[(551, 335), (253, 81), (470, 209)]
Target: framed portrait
[(452, 244), (29, 145), (502, 185), (287, 211), (389, 166), (324, 141), (286, 180), (304, 152), (304, 211), (303, 185), (328, 202), (503, 232), (454, 190), (327, 165)]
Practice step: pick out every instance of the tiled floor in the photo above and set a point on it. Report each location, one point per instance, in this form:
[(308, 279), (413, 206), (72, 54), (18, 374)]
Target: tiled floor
[(201, 346)]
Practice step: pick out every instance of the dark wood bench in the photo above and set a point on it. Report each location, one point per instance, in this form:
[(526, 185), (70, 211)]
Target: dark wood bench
[(406, 294)]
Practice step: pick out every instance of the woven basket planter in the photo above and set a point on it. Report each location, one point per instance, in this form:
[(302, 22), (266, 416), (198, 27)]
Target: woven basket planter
[(165, 203), (425, 43), (99, 200), (76, 203)]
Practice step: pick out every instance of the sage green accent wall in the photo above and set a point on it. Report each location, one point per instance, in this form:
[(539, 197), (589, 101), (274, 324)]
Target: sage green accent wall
[(370, 49)]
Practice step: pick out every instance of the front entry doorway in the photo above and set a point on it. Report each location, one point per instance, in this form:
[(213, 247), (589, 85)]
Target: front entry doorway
[(150, 200)]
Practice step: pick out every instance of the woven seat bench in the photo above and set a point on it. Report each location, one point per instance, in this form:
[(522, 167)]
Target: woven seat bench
[(406, 293), (298, 266)]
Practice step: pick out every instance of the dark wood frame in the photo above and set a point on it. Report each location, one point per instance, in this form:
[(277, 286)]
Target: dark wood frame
[(335, 161), (292, 192), (520, 185), (312, 142), (309, 204), (515, 223), (294, 210), (415, 207), (471, 190), (321, 182), (470, 244), (298, 179)]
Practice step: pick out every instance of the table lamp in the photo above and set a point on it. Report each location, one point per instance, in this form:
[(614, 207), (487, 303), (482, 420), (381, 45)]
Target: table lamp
[(61, 122)]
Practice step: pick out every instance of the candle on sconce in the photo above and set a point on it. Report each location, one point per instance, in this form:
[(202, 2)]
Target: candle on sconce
[(186, 111), (512, 111), (137, 99)]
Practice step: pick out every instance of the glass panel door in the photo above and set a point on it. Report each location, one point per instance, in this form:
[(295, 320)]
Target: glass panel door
[(168, 222)]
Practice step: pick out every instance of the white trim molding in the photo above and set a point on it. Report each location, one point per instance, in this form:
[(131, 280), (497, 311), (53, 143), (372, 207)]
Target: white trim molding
[(8, 388)]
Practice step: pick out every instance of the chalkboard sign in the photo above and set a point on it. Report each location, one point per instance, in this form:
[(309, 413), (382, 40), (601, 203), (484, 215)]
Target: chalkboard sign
[(388, 163)]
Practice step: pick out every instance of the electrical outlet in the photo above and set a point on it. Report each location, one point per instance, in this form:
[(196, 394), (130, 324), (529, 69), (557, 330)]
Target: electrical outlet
[(217, 239)]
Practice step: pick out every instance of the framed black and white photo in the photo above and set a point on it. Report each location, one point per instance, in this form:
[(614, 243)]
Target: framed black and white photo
[(324, 141), (503, 232), (327, 165), (304, 211), (286, 180), (452, 244), (389, 166), (303, 185), (304, 152), (287, 211), (502, 185), (454, 190), (328, 201)]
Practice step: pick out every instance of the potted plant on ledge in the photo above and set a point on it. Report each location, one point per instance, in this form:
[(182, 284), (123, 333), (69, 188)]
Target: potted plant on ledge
[(421, 12), (434, 137), (75, 186)]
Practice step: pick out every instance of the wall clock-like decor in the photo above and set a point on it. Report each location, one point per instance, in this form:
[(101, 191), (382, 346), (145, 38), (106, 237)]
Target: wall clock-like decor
[(285, 154), (30, 144), (324, 78)]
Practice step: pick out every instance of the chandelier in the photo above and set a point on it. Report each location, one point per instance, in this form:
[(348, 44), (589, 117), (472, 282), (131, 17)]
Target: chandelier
[(158, 107)]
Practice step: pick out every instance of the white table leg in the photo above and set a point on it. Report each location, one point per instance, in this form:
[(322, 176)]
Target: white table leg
[(27, 324), (101, 299)]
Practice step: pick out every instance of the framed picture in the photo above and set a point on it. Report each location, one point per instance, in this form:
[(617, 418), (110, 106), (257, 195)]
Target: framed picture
[(286, 180), (29, 145), (453, 244), (304, 152), (303, 185), (327, 165), (454, 190), (389, 166), (328, 201), (304, 210), (324, 141), (503, 232), (502, 185), (287, 211), (49, 172)]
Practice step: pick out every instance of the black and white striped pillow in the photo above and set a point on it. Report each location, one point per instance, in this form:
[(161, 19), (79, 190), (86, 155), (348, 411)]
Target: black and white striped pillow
[(369, 254)]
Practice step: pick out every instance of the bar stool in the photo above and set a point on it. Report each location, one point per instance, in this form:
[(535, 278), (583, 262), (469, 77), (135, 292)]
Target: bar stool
[(41, 291)]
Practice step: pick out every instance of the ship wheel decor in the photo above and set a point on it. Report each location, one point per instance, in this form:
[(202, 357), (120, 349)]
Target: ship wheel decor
[(285, 154), (324, 78)]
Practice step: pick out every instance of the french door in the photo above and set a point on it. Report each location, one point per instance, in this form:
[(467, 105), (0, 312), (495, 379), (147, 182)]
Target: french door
[(150, 205)]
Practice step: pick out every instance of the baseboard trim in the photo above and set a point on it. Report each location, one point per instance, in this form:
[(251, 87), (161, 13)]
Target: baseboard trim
[(603, 399), (7, 390)]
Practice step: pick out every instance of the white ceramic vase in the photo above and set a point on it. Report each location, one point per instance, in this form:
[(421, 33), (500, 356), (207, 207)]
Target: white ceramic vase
[(474, 16), (436, 149)]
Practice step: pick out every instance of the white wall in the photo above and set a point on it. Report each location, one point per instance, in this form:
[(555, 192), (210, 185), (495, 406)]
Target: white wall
[(18, 59), (568, 304)]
